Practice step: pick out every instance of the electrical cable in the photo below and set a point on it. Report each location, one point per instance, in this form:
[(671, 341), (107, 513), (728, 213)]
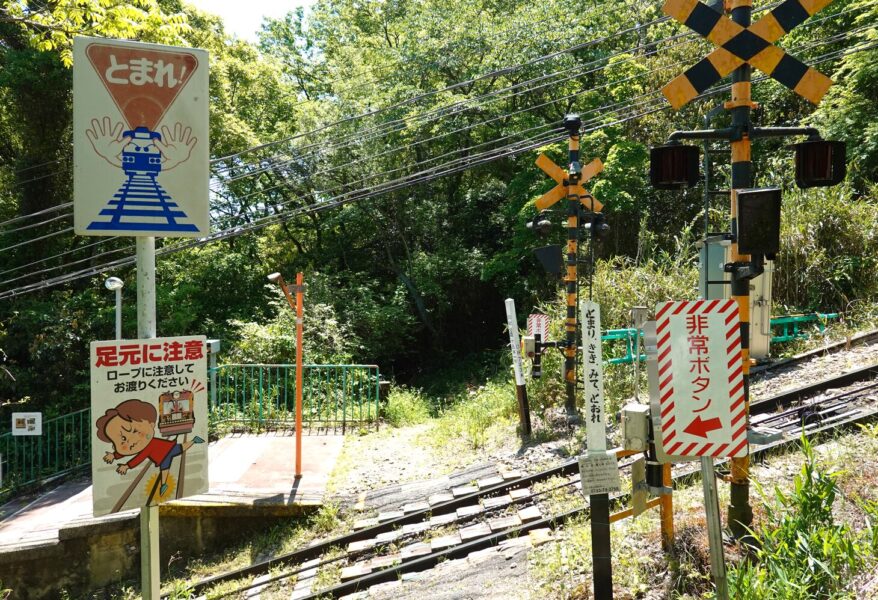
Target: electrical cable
[(841, 52)]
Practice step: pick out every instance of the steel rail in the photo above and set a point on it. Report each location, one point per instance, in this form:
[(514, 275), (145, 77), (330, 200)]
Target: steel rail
[(311, 552), (393, 572), (861, 339)]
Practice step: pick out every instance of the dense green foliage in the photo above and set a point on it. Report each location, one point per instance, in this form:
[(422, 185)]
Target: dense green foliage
[(372, 95), (802, 551)]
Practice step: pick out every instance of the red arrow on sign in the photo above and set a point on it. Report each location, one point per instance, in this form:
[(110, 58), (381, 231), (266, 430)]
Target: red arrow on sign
[(701, 427)]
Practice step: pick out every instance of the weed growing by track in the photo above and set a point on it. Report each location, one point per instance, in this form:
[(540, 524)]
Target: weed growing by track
[(803, 552)]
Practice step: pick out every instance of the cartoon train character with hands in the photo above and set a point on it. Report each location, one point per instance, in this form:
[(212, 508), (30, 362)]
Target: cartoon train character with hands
[(131, 428)]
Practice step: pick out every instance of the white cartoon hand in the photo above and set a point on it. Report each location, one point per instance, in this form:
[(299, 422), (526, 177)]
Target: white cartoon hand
[(176, 147), (107, 140)]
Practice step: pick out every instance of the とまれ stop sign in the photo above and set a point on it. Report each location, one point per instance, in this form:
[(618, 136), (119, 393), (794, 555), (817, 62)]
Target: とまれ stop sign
[(140, 139), (701, 380)]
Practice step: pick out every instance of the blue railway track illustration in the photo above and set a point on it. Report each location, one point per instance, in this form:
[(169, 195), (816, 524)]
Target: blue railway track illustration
[(141, 204)]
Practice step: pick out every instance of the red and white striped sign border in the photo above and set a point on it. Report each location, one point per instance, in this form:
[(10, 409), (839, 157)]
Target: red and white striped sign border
[(729, 308), (538, 323)]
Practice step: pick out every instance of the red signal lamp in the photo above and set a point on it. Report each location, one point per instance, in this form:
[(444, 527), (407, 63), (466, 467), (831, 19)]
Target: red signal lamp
[(820, 163), (673, 166)]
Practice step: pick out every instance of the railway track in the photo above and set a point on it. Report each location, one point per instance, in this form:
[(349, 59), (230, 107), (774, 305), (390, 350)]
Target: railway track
[(473, 519)]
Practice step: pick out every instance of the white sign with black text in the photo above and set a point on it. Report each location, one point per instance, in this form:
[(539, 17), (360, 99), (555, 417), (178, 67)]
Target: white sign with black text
[(593, 374)]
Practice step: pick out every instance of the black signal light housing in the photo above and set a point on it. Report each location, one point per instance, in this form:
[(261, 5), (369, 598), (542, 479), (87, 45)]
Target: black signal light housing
[(820, 163), (758, 218), (673, 166)]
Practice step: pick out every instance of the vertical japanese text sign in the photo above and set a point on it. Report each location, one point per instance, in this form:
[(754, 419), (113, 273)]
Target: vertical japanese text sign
[(149, 421), (140, 139), (593, 374), (701, 384)]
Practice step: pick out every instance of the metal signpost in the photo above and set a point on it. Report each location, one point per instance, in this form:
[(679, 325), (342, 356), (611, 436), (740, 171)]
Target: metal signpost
[(518, 368), (740, 46), (297, 307), (141, 168)]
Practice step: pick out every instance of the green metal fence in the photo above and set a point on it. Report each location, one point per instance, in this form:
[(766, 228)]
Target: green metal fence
[(628, 339), (787, 328), (263, 396), (63, 446)]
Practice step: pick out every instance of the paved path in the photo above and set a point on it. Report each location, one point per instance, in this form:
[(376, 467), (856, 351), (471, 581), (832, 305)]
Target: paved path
[(246, 471)]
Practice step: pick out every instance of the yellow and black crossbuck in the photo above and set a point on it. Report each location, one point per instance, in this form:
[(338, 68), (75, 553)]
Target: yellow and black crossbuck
[(737, 45), (561, 190)]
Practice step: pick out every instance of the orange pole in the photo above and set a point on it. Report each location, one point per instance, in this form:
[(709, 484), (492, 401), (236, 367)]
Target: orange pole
[(666, 510), (300, 286)]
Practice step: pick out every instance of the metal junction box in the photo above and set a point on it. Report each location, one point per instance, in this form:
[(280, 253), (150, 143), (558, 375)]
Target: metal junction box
[(635, 427)]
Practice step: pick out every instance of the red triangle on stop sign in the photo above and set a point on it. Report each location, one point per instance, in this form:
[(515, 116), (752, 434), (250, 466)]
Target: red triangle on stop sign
[(143, 83)]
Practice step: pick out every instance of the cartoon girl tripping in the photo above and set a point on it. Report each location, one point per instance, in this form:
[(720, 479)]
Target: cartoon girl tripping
[(130, 427)]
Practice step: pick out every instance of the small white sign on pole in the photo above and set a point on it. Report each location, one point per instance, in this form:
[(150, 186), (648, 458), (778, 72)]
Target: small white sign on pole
[(599, 473), (514, 342), (149, 421), (593, 374), (140, 139), (700, 376), (27, 423)]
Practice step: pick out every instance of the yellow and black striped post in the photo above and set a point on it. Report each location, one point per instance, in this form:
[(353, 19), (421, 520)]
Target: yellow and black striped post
[(740, 46), (740, 514), (572, 123)]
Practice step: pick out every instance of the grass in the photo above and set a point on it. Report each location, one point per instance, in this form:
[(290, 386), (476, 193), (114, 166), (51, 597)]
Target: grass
[(816, 530), (406, 406), (482, 417), (803, 552)]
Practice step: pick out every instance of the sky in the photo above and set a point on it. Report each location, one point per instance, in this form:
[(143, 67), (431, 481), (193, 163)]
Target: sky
[(244, 17)]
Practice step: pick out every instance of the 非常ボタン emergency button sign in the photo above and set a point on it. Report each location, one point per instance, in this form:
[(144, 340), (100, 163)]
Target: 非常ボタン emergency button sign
[(701, 378)]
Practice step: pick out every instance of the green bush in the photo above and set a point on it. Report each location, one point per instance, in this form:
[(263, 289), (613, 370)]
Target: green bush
[(326, 340), (802, 552), (472, 417), (406, 406), (619, 284), (829, 249)]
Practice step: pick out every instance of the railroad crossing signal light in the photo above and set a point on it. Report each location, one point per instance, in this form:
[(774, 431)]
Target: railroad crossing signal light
[(737, 45), (673, 167), (561, 190), (820, 163), (759, 221)]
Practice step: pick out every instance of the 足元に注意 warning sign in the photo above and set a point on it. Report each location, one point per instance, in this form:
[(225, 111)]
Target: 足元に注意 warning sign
[(700, 375), (149, 421), (140, 139)]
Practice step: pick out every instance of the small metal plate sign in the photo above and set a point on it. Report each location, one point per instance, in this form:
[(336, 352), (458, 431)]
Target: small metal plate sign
[(599, 473), (27, 423)]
